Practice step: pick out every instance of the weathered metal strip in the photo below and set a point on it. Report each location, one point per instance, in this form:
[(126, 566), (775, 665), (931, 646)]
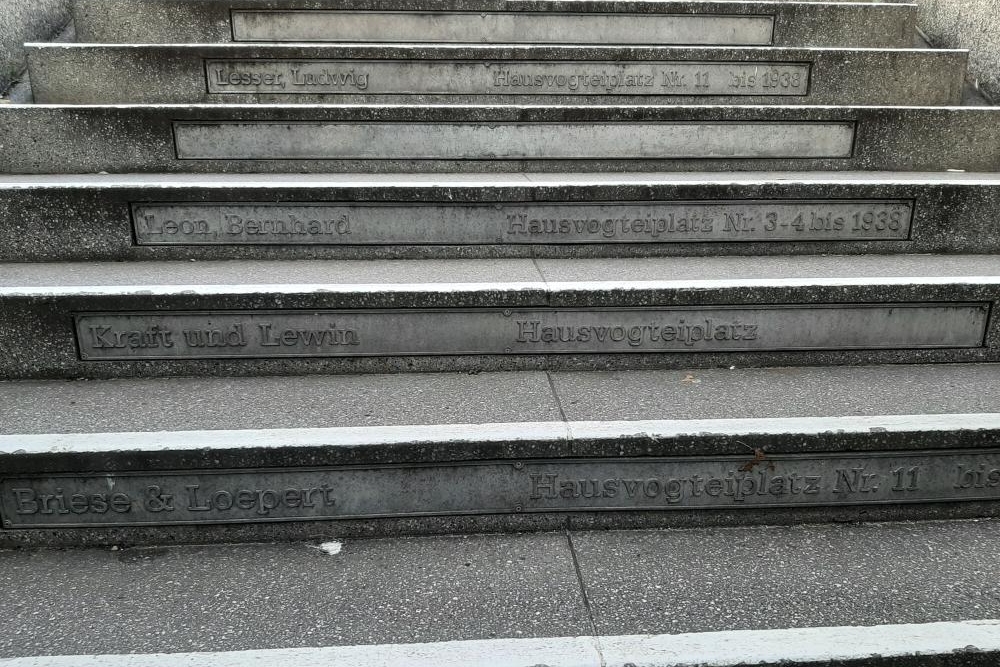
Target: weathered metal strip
[(333, 223), (275, 334), (274, 140), (502, 27), (500, 487)]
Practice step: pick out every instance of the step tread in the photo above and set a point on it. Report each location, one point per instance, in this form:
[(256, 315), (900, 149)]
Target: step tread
[(517, 400), (809, 23), (453, 588), (207, 403), (503, 274), (586, 51), (167, 182)]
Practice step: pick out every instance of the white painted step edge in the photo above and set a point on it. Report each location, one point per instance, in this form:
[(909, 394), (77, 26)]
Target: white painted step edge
[(479, 180), (710, 649), (54, 291), (374, 436)]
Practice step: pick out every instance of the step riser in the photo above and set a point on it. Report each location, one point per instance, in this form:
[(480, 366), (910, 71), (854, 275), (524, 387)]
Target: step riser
[(294, 138), (94, 222), (204, 74), (223, 486), (722, 23), (77, 332)]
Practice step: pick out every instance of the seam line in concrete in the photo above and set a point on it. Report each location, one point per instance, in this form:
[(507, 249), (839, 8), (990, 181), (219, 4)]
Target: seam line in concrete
[(558, 399), (581, 582)]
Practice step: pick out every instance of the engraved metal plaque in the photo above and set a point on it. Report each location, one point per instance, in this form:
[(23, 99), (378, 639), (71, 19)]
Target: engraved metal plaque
[(307, 140), (344, 333), (432, 77), (501, 27), (505, 487), (333, 223)]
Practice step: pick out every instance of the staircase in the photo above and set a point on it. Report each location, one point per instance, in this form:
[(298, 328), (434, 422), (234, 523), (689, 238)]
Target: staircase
[(445, 332)]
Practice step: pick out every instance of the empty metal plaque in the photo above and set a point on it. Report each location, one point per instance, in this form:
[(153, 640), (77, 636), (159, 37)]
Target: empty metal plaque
[(308, 140), (501, 27)]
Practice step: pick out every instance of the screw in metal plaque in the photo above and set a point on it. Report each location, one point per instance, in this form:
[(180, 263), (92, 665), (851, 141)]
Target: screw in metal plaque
[(507, 313), (8, 523), (518, 508), (518, 465)]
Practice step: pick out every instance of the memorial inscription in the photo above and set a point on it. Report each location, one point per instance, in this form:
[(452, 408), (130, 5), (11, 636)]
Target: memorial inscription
[(352, 333), (238, 496), (328, 77), (501, 27), (348, 223), (309, 140)]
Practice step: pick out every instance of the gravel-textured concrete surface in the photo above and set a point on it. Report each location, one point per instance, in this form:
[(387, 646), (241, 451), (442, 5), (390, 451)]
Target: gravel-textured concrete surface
[(139, 405), (306, 402), (970, 24), (453, 588), (691, 581), (289, 595), (749, 393), (504, 273), (802, 24), (26, 21), (432, 273), (633, 271)]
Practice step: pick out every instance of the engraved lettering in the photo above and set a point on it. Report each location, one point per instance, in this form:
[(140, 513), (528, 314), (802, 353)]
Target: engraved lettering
[(29, 502), (106, 337), (595, 484), (330, 337), (443, 77), (976, 478), (273, 334), (689, 334), (233, 336), (326, 78), (856, 480), (543, 486), (549, 223), (26, 502), (157, 501), (261, 502)]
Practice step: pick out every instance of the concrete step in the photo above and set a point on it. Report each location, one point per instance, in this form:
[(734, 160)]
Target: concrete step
[(875, 595), (393, 138), (680, 22), (252, 73), (174, 217), (95, 320), (161, 461)]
